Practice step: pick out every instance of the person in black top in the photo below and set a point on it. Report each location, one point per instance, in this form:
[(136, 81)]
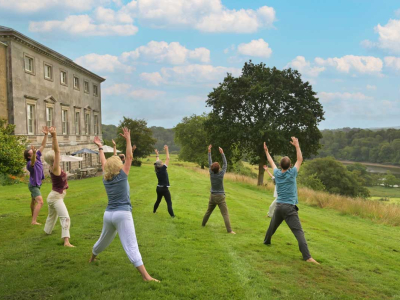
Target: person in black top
[(163, 182)]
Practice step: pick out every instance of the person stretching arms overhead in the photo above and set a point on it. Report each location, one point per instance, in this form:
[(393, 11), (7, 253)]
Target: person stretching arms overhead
[(286, 208)]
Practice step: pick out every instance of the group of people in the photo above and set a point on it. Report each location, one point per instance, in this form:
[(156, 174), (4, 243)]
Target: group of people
[(118, 214)]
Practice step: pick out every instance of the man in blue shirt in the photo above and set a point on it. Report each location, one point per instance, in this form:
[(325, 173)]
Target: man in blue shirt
[(286, 208)]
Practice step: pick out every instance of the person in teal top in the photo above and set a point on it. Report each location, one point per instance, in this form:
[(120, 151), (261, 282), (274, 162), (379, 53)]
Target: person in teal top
[(286, 208)]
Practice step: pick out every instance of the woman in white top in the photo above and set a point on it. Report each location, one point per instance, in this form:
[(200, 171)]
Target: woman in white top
[(273, 204)]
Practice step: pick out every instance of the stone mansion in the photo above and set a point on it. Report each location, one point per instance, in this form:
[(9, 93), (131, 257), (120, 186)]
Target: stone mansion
[(39, 86)]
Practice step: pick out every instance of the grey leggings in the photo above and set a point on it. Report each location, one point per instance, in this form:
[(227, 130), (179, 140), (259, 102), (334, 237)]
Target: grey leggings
[(288, 213)]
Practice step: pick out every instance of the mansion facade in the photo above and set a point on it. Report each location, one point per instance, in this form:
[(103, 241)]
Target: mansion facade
[(41, 87)]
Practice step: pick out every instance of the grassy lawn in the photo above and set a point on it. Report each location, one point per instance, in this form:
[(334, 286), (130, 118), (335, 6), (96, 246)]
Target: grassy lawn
[(378, 192), (359, 258)]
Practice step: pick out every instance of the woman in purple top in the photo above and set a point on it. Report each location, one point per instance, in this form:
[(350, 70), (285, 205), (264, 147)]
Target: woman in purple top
[(35, 168), (55, 200)]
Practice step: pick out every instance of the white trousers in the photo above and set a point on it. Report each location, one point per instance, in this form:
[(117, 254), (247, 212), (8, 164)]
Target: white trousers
[(57, 208), (121, 222), (272, 208)]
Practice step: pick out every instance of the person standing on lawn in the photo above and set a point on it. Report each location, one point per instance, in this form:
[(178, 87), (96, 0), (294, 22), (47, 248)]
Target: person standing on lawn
[(35, 167), (273, 204), (163, 182), (55, 200), (118, 215), (286, 208), (217, 196), (121, 156)]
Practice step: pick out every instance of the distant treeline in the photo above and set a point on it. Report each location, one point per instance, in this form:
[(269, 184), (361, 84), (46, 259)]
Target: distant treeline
[(163, 136), (375, 146)]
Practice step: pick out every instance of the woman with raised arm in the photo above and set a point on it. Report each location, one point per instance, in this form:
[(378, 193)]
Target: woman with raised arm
[(118, 214), (55, 200), (217, 196), (273, 204), (163, 182)]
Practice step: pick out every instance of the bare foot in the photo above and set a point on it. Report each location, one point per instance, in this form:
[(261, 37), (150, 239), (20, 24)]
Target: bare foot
[(35, 223), (150, 279), (312, 260), (69, 245), (232, 232)]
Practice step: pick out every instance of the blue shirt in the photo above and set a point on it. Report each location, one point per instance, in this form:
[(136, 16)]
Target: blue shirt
[(286, 186), (118, 193)]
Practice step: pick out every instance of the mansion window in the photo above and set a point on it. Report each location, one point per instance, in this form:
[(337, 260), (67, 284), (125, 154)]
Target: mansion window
[(29, 66), (49, 116), (77, 123), (95, 90), (87, 123), (64, 121), (30, 113), (86, 86), (63, 76), (96, 124), (76, 83), (48, 72)]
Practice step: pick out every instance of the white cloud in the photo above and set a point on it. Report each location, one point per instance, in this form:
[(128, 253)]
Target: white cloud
[(32, 6), (173, 53), (107, 15), (371, 87), (392, 62), (189, 74), (103, 63), (257, 48), (127, 90), (83, 25), (203, 15), (345, 64), (305, 67), (326, 97), (389, 37)]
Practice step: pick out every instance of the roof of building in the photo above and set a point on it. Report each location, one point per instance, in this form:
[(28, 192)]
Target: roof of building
[(6, 31)]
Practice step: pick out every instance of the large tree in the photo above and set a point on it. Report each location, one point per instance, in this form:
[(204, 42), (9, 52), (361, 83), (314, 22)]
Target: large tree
[(141, 136), (265, 104), (11, 150), (191, 136)]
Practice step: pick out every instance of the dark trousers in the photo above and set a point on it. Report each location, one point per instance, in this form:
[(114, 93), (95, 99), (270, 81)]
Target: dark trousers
[(218, 199), (288, 213), (164, 191)]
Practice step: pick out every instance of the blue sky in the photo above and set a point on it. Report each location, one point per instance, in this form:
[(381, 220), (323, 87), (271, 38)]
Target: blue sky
[(162, 57)]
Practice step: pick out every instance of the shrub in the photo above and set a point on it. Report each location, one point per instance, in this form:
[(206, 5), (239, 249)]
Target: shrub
[(136, 163)]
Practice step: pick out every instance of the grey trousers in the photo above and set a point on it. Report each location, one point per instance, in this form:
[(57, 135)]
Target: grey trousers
[(288, 213), (218, 199)]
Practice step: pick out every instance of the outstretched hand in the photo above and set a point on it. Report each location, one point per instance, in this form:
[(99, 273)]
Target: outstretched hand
[(295, 142), (221, 150), (265, 147), (126, 134), (113, 143), (97, 141), (133, 148), (45, 130), (33, 149), (165, 147), (156, 151), (265, 167), (52, 130), (209, 148)]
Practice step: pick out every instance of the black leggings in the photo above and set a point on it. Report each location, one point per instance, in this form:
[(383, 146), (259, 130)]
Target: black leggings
[(164, 191)]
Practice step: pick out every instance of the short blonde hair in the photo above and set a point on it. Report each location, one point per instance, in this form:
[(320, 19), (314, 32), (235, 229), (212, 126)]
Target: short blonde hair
[(49, 157), (112, 167)]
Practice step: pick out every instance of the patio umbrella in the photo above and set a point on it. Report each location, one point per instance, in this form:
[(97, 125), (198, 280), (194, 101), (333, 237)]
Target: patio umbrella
[(85, 150), (108, 149), (66, 158)]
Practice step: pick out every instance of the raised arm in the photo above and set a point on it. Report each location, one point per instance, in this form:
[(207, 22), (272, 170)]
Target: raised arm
[(157, 155), (56, 164), (166, 152), (33, 158), (266, 169), (209, 157), (270, 160), (224, 163), (129, 154), (115, 147), (299, 161), (45, 130), (101, 152)]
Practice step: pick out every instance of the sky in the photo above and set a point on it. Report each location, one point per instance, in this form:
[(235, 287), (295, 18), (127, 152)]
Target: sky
[(161, 58)]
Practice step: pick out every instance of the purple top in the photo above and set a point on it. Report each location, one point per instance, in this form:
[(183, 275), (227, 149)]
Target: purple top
[(36, 172), (59, 182)]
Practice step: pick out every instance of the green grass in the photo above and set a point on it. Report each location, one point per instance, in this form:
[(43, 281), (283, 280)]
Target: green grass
[(379, 192), (359, 258)]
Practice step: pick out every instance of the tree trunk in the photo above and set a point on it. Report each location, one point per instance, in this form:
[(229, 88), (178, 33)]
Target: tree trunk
[(261, 169)]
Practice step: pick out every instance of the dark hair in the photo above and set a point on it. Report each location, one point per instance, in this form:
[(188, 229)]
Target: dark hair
[(26, 155), (285, 163), (215, 167), (122, 156)]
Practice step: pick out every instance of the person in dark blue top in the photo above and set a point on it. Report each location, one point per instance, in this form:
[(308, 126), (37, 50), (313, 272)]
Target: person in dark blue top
[(118, 214), (286, 208), (163, 182)]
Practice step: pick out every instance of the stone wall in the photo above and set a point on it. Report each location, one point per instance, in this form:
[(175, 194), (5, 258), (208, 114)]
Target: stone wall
[(3, 82)]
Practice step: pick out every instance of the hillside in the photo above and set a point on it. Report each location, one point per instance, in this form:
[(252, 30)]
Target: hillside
[(359, 258)]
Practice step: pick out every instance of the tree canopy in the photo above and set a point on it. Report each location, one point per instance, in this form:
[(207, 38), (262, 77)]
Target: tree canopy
[(264, 104), (141, 136)]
